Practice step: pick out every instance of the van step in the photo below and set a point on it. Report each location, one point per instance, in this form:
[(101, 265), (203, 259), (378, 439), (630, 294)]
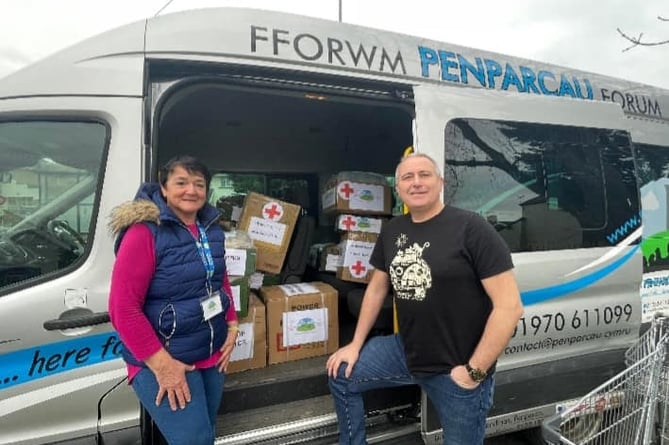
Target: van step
[(310, 422)]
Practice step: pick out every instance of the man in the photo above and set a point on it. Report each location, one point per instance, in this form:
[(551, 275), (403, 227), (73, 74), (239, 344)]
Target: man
[(457, 303)]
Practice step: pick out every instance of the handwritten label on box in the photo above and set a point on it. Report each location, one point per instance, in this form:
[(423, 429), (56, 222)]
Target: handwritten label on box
[(266, 231), (244, 348), (235, 261)]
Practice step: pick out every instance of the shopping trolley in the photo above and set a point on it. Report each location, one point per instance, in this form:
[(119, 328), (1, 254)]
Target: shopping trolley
[(632, 404), (656, 337)]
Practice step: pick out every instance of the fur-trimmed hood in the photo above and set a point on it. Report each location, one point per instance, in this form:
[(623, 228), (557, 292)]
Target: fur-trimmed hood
[(133, 212), (146, 207)]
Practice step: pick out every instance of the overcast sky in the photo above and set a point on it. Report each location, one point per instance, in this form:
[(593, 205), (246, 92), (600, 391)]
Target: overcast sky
[(575, 33)]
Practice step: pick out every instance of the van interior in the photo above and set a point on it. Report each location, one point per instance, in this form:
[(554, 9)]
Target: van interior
[(284, 139)]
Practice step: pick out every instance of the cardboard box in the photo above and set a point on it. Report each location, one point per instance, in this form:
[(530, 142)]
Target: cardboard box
[(356, 249), (270, 224), (251, 349), (356, 196), (240, 294), (302, 320), (358, 223)]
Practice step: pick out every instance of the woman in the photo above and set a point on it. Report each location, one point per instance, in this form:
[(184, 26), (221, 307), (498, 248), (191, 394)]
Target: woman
[(171, 303)]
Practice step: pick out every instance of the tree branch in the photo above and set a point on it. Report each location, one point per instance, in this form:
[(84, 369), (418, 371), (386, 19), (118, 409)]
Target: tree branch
[(637, 41)]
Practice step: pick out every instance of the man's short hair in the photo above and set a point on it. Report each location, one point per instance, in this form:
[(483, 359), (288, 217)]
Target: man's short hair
[(437, 170)]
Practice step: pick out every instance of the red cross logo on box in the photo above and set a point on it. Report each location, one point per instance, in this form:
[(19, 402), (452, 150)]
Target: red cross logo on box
[(272, 211), (358, 269), (345, 190), (348, 222)]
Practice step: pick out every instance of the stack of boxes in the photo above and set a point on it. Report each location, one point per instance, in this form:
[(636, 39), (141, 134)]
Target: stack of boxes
[(283, 322), (240, 261), (359, 200), (358, 237)]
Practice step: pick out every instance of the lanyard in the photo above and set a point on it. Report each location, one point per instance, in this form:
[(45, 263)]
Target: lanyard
[(202, 243)]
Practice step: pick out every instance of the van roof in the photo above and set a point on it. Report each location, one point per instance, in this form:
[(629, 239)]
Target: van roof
[(112, 63)]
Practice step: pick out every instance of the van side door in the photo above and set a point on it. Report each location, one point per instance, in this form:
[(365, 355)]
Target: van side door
[(65, 162), (556, 178)]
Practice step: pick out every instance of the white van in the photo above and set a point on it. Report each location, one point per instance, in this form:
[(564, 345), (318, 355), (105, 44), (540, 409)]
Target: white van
[(553, 158)]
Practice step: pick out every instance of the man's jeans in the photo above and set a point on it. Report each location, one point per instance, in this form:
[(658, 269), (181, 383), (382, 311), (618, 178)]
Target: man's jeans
[(193, 425), (382, 364)]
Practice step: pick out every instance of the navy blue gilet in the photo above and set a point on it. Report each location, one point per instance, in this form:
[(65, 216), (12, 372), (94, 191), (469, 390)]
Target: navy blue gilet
[(172, 303)]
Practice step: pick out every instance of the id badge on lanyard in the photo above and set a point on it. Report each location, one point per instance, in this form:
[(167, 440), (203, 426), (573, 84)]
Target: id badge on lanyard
[(211, 303)]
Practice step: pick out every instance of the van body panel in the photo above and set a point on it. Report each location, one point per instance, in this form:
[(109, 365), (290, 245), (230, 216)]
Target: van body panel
[(287, 40), (51, 374), (436, 105), (313, 42), (109, 64), (615, 270), (119, 411), (565, 292)]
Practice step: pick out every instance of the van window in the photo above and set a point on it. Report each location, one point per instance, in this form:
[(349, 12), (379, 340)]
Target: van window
[(543, 187), (228, 190), (652, 162), (48, 178)]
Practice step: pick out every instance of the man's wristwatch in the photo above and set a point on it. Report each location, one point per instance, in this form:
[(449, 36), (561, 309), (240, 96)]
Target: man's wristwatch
[(477, 375)]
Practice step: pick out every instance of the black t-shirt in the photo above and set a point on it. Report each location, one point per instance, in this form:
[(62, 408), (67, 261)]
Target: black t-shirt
[(435, 270)]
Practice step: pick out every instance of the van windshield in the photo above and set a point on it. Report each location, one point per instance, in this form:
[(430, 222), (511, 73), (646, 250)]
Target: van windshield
[(48, 176)]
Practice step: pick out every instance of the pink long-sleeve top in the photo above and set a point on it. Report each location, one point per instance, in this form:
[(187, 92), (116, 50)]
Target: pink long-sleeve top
[(131, 277)]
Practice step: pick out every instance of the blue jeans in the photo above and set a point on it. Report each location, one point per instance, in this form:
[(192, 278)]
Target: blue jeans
[(193, 425), (382, 364)]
